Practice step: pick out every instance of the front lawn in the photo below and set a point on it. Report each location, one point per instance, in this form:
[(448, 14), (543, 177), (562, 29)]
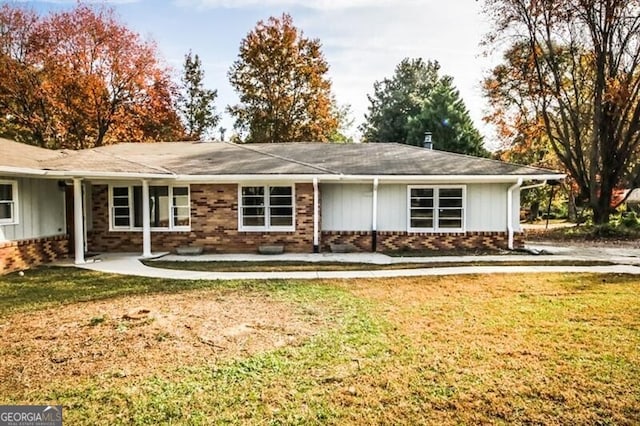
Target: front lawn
[(499, 349)]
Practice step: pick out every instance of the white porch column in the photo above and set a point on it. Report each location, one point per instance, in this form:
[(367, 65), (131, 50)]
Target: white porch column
[(146, 221), (316, 217), (374, 217), (510, 218), (78, 221)]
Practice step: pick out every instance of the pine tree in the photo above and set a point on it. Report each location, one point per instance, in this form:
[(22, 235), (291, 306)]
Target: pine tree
[(417, 99)]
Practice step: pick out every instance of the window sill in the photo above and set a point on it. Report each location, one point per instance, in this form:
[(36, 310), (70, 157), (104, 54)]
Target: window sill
[(152, 229), (268, 230), (436, 231)]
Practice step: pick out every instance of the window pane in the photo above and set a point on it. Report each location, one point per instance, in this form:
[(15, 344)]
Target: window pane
[(121, 201), (253, 211), (280, 201), (421, 192), (121, 211), (450, 202), (159, 206), (422, 213), (421, 223), (121, 221), (252, 201), (281, 221), (181, 196), (253, 220), (422, 202), (253, 190), (281, 211), (6, 210), (180, 191), (6, 192), (137, 206), (450, 223), (450, 193), (181, 216), (280, 190), (450, 218), (450, 214), (120, 191)]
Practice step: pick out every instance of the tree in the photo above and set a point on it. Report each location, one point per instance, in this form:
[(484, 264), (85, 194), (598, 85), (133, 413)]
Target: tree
[(444, 114), (280, 76), (345, 122), (583, 86), (415, 100), (196, 104), (79, 78), (398, 98)]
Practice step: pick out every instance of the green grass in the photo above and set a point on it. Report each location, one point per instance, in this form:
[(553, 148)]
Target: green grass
[(286, 266), (485, 349)]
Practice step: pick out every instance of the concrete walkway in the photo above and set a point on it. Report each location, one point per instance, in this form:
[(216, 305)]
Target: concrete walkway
[(626, 261)]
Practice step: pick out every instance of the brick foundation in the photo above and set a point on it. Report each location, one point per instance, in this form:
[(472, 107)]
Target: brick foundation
[(214, 225), (404, 241), (23, 254)]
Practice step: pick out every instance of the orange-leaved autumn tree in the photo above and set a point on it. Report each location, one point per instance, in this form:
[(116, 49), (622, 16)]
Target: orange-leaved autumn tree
[(280, 76), (582, 84), (79, 78)]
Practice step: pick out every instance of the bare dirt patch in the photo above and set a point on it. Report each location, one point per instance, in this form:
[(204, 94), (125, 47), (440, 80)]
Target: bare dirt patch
[(141, 335)]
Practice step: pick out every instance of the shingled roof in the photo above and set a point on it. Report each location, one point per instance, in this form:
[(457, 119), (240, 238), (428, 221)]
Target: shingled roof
[(16, 154), (228, 159), (223, 158)]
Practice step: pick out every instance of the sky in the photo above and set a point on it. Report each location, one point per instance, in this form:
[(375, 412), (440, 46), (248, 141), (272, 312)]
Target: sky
[(363, 40)]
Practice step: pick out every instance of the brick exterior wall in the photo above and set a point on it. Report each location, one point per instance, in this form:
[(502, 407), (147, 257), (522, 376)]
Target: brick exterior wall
[(23, 254), (214, 225), (404, 241)]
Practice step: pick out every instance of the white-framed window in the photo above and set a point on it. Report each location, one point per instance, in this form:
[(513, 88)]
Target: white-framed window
[(8, 202), (266, 208), (169, 207), (436, 208)]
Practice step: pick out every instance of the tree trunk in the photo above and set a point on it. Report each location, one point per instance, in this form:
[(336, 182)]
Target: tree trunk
[(572, 208)]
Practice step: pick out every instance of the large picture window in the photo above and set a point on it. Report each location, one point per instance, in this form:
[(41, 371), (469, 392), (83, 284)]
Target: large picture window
[(8, 202), (168, 207), (266, 208), (436, 208)]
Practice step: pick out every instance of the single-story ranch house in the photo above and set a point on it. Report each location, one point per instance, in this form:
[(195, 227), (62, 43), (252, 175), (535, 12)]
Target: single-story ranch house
[(229, 198)]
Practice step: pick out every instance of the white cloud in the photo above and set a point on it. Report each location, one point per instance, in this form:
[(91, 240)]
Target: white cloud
[(365, 45), (116, 2), (306, 4)]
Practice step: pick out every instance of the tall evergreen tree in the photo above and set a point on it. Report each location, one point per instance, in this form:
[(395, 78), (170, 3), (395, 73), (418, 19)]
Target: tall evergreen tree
[(417, 99), (196, 104), (444, 114)]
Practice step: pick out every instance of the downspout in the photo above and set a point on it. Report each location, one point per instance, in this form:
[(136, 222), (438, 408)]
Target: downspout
[(510, 211), (374, 216), (316, 217)]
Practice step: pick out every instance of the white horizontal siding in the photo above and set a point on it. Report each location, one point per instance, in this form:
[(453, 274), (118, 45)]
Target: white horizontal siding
[(346, 207), (40, 210)]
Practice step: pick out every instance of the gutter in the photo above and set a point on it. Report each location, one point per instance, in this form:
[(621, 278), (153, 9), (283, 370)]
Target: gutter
[(510, 229), (228, 178), (535, 185)]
